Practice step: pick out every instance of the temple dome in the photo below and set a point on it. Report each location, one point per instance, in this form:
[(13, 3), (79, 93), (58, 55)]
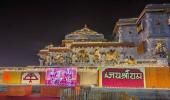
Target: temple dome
[(85, 34), (85, 30)]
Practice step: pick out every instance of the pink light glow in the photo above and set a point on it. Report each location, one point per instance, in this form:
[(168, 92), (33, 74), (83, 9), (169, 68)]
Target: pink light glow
[(63, 77)]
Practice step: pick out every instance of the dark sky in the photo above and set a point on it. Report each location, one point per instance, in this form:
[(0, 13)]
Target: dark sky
[(29, 25)]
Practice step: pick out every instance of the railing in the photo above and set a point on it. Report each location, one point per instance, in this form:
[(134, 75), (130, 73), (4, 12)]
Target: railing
[(83, 94)]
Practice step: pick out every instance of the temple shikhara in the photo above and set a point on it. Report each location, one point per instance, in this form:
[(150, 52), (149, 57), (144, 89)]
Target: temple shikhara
[(137, 57)]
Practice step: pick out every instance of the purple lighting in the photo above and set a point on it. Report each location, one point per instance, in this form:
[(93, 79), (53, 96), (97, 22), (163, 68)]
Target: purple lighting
[(62, 77)]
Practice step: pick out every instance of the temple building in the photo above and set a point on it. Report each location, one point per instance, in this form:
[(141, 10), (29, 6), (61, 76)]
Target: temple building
[(86, 47), (134, 63), (145, 40)]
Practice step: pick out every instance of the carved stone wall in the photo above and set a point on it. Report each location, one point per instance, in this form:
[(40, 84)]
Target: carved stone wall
[(158, 47), (128, 34)]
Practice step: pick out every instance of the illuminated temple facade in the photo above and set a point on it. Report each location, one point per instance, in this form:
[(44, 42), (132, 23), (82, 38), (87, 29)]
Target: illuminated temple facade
[(134, 62), (142, 40)]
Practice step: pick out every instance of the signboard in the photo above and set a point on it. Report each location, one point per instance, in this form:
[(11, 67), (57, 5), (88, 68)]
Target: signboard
[(30, 78), (123, 77), (64, 77)]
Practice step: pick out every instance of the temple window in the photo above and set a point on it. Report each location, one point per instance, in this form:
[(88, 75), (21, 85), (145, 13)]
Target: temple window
[(141, 48), (130, 32)]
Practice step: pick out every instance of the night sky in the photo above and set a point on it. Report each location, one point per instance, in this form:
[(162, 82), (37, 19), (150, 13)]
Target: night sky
[(29, 25)]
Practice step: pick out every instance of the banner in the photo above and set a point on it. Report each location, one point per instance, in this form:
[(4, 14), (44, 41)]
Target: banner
[(30, 78), (11, 77), (123, 77), (64, 77)]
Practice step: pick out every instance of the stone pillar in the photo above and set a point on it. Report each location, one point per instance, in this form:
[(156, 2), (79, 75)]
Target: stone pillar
[(120, 34), (41, 61)]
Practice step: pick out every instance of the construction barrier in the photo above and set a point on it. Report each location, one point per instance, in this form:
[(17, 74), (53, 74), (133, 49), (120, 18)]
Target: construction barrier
[(88, 78), (142, 77), (157, 77), (1, 77), (42, 77), (12, 77), (19, 90), (51, 91)]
